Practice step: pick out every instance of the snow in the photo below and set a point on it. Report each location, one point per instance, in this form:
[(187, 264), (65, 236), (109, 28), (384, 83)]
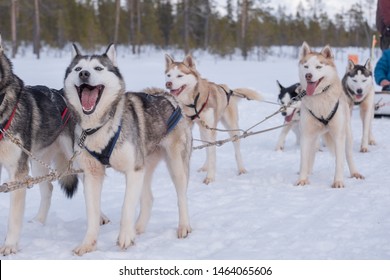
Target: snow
[(261, 215)]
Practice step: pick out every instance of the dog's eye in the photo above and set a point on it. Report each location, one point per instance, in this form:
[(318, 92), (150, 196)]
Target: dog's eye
[(306, 66), (98, 68), (77, 69), (364, 81), (318, 67), (354, 80), (179, 76), (168, 75)]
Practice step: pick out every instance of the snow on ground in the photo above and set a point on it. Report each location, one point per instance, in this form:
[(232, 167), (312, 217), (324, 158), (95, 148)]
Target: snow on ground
[(259, 215)]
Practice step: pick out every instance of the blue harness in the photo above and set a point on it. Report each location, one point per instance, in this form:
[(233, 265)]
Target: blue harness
[(104, 156)]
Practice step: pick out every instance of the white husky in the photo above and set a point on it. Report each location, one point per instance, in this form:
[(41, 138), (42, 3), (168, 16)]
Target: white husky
[(207, 103), (358, 85), (324, 111)]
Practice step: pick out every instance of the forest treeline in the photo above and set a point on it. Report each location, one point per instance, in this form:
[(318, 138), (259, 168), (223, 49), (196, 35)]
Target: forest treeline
[(220, 27)]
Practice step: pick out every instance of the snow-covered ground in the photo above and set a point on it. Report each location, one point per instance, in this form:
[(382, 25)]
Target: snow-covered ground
[(260, 215)]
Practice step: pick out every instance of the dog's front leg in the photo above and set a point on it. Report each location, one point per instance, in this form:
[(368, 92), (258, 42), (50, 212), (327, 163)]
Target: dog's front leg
[(92, 192), (308, 142), (209, 136), (134, 183), (15, 221), (338, 181)]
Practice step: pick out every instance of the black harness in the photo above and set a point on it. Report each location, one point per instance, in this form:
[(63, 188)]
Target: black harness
[(323, 120), (104, 156), (194, 106)]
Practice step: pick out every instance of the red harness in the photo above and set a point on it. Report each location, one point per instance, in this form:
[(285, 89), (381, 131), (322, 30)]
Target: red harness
[(8, 123), (197, 113)]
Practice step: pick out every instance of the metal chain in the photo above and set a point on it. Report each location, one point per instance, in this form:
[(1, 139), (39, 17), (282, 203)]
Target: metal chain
[(30, 181), (247, 132)]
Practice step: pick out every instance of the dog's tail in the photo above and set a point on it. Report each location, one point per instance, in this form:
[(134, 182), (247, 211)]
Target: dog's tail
[(69, 185), (247, 93)]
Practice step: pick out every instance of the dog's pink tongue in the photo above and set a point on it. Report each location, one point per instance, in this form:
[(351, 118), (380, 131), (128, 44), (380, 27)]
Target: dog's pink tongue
[(311, 87), (89, 98)]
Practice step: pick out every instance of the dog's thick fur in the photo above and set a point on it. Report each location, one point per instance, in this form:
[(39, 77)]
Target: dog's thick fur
[(95, 91), (291, 114), (207, 103), (358, 85), (324, 111), (37, 123)]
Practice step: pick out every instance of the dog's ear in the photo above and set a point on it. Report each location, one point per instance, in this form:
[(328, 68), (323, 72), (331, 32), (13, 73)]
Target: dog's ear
[(327, 52), (189, 61), (280, 86), (350, 65), (111, 54), (305, 50), (1, 44), (368, 64), (168, 61), (75, 51)]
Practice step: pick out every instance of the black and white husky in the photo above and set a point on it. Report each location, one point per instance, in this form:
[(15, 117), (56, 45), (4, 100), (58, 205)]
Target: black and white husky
[(38, 117), (358, 85), (291, 114), (131, 132)]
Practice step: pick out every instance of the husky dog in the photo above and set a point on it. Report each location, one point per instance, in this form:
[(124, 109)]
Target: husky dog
[(358, 84), (206, 103), (38, 117), (324, 111), (130, 132), (291, 114)]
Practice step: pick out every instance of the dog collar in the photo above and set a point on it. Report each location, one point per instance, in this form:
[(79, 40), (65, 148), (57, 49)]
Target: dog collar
[(330, 116), (197, 113)]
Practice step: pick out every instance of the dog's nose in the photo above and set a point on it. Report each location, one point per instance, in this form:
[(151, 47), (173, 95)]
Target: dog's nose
[(308, 76), (168, 85), (359, 91), (84, 75)]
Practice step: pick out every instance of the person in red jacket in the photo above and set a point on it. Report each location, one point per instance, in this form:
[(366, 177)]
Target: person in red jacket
[(383, 23)]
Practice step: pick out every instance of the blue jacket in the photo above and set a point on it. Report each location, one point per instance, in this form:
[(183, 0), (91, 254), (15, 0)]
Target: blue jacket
[(382, 68)]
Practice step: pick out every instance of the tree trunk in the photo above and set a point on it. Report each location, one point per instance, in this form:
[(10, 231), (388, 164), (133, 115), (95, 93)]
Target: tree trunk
[(14, 8), (244, 26), (186, 26), (37, 29), (117, 20)]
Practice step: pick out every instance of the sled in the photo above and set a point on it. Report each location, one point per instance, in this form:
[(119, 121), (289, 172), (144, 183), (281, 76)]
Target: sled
[(382, 104)]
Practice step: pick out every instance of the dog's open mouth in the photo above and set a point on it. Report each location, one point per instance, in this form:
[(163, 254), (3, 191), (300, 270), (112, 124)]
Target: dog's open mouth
[(176, 92), (311, 87), (89, 97)]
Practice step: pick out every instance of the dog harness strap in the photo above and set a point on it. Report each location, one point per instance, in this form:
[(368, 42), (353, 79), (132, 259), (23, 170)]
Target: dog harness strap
[(228, 94), (104, 156), (8, 123), (329, 118), (174, 119), (197, 113)]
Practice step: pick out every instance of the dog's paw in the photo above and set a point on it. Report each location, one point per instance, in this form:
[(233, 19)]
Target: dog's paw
[(84, 248), (357, 175), (363, 149), (183, 231), (104, 219), (279, 148), (242, 171), (302, 182), (125, 240), (338, 184), (8, 250), (208, 180), (371, 142)]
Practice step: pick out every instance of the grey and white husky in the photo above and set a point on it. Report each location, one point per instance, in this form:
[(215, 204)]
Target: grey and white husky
[(131, 132), (39, 118), (358, 85)]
